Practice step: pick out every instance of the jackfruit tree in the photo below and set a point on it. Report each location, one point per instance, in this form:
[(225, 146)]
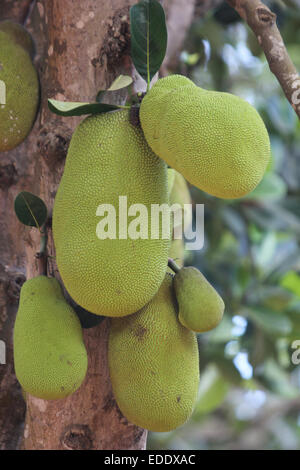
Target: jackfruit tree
[(105, 330), (89, 417)]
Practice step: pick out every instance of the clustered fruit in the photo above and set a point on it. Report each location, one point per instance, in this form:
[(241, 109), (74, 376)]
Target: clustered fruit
[(218, 143)]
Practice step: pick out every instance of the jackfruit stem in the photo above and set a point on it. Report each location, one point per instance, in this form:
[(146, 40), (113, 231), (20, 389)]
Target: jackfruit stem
[(41, 256), (172, 265)]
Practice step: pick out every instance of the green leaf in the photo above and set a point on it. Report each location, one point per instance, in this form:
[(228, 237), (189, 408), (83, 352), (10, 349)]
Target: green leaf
[(212, 391), (123, 81), (272, 187), (148, 37), (30, 209), (69, 108), (271, 322), (291, 282), (277, 380)]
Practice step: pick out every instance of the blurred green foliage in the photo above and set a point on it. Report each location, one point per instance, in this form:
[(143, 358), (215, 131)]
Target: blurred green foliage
[(249, 393)]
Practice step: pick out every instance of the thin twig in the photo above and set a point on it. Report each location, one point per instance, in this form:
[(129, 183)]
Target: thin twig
[(263, 23)]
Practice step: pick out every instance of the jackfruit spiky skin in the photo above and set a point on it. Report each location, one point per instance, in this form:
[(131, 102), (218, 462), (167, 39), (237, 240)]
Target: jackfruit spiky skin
[(200, 306), (154, 364), (19, 80), (108, 158), (216, 140), (49, 354), (19, 35)]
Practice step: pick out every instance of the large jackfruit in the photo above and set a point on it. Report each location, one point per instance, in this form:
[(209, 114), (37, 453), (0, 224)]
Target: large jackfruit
[(19, 93), (19, 35), (108, 158), (154, 364), (49, 353), (216, 140)]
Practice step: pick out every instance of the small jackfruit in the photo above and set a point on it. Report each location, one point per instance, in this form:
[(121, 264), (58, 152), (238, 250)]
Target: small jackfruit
[(49, 354), (200, 306), (19, 35), (154, 364), (19, 93), (216, 140), (110, 274)]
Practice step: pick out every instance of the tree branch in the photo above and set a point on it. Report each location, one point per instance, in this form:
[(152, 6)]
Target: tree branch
[(263, 23)]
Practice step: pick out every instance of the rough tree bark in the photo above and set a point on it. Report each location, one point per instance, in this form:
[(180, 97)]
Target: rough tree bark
[(81, 48)]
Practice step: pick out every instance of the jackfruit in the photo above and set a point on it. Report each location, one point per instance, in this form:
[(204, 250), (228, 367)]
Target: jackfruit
[(108, 158), (177, 252), (18, 34), (19, 93), (49, 354), (200, 306), (179, 194), (216, 140), (154, 364)]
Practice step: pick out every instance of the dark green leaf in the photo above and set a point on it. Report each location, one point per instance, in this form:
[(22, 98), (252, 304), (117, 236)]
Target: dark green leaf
[(86, 318), (148, 37), (30, 209), (68, 108)]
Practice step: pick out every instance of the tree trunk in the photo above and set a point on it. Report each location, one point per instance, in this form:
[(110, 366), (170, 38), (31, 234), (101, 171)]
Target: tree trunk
[(81, 48)]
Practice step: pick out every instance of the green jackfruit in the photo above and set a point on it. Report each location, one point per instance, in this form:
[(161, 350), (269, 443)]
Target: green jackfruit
[(179, 193), (216, 140), (19, 93), (154, 364), (177, 252), (179, 190), (200, 306), (49, 353), (108, 158), (18, 34)]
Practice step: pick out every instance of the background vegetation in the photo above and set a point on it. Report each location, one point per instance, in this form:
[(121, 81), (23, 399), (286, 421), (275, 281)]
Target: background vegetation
[(249, 394)]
